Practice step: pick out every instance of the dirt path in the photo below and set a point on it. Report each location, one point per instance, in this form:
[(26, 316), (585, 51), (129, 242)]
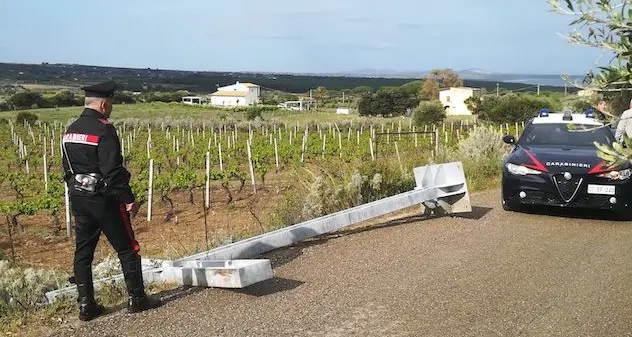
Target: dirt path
[(491, 274)]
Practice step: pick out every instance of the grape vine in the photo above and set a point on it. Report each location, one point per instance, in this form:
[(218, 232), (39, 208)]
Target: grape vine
[(179, 150)]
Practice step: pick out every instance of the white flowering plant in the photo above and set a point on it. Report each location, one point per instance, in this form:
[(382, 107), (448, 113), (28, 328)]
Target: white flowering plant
[(23, 289)]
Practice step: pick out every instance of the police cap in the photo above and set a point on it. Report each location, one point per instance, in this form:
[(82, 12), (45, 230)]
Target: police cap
[(102, 90)]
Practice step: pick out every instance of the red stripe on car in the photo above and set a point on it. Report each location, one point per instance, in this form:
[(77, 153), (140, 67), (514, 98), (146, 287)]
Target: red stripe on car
[(601, 168), (537, 165)]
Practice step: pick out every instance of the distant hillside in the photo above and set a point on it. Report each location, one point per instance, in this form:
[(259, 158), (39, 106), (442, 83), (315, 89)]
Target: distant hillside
[(471, 74), (203, 82)]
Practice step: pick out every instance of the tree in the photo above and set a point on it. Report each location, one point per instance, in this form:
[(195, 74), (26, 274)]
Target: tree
[(65, 98), (388, 101), (320, 94), (177, 96), (510, 108), (430, 89), (26, 100), (437, 79), (608, 26), (429, 112), (412, 88), (361, 90)]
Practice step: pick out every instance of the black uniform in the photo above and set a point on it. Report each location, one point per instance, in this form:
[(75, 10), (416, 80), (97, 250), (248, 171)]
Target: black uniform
[(98, 185)]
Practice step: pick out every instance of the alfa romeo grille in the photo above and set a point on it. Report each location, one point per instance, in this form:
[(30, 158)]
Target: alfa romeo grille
[(567, 188)]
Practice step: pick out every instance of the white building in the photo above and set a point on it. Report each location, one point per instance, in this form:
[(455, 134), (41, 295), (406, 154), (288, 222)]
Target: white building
[(238, 94), (194, 100), (453, 100), (300, 105)]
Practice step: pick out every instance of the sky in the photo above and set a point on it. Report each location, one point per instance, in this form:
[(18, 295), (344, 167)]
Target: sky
[(324, 36)]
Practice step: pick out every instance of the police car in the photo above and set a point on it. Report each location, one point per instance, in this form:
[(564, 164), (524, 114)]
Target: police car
[(556, 165)]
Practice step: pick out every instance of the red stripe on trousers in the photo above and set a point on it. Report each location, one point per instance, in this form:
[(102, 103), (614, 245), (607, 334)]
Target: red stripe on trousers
[(128, 227)]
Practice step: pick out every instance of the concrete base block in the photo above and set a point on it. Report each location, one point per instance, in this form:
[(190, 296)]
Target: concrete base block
[(449, 179), (220, 274)]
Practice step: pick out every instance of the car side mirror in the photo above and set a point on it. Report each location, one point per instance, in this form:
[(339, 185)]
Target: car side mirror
[(509, 139)]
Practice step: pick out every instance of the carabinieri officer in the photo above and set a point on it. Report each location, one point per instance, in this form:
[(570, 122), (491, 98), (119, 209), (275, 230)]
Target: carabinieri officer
[(101, 200)]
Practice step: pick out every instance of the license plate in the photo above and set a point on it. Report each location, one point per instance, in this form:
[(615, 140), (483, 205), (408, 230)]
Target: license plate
[(601, 189)]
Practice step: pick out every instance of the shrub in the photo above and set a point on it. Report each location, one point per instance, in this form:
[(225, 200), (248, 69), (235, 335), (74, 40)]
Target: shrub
[(428, 113), (314, 204), (288, 211), (25, 116), (330, 191), (511, 108), (254, 112), (581, 105), (262, 108), (481, 154), (384, 180), (482, 143), (109, 267), (24, 289)]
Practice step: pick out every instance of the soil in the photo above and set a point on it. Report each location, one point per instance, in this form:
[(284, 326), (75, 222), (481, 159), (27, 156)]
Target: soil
[(164, 237)]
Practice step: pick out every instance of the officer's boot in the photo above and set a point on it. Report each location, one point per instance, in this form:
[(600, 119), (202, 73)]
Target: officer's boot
[(138, 301), (88, 307)]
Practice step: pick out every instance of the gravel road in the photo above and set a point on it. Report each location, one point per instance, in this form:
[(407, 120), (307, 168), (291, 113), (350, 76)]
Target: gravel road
[(492, 273)]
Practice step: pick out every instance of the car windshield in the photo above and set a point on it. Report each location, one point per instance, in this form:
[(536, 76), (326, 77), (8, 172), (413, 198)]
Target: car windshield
[(566, 135)]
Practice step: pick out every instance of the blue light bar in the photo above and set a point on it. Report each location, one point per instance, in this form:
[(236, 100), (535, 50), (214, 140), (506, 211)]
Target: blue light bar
[(590, 113), (544, 112)]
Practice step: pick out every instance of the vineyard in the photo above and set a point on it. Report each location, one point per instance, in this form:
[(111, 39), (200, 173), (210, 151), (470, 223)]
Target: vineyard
[(195, 178)]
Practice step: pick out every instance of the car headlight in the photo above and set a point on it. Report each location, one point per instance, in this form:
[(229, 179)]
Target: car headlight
[(521, 170), (617, 175)]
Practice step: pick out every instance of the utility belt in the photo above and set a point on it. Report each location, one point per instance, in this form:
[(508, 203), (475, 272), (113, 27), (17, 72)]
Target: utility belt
[(86, 184), (83, 184)]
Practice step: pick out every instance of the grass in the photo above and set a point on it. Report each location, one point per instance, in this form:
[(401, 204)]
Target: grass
[(46, 88), (65, 311), (140, 111), (41, 322), (210, 114), (180, 111)]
